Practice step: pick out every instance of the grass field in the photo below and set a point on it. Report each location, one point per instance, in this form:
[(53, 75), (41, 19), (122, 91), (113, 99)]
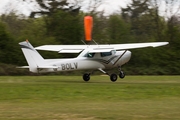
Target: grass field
[(70, 98)]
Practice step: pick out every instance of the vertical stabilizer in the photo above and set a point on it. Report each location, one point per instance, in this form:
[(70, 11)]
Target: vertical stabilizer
[(33, 58)]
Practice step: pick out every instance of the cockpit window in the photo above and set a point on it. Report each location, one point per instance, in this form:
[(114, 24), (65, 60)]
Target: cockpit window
[(104, 54), (90, 55)]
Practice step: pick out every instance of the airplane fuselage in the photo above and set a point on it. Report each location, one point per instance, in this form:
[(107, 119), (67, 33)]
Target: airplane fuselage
[(104, 60)]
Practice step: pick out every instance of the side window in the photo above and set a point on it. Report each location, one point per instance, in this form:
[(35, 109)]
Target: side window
[(113, 52), (104, 54)]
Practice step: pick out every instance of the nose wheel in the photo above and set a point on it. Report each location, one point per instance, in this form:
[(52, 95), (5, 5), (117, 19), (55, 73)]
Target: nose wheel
[(121, 74)]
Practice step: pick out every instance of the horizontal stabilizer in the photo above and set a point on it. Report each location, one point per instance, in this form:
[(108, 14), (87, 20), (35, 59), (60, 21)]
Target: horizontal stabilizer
[(40, 67), (47, 67), (23, 67)]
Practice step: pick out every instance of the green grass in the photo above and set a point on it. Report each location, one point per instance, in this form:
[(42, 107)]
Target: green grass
[(70, 98)]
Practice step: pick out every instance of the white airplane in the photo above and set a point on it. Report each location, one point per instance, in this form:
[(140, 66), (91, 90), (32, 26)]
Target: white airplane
[(91, 57)]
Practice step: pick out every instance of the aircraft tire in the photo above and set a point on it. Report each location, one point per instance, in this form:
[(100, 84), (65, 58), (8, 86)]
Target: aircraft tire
[(122, 74), (86, 77), (113, 77)]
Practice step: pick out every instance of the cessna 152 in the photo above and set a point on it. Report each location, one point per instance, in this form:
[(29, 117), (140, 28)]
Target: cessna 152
[(91, 57)]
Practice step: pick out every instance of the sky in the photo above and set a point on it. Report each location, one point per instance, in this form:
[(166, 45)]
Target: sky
[(109, 6)]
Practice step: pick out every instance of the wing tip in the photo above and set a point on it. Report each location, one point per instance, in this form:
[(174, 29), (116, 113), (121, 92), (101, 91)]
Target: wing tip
[(161, 44)]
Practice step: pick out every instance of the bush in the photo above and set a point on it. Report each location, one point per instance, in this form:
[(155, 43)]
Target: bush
[(6, 69)]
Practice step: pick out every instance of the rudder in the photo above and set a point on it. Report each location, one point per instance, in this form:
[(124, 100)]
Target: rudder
[(33, 58)]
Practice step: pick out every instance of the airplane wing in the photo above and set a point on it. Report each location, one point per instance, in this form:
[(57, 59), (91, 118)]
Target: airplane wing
[(138, 45), (98, 48), (63, 48)]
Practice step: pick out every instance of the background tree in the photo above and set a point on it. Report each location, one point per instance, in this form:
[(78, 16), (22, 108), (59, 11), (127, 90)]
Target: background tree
[(52, 6), (62, 20), (13, 22), (118, 29), (99, 28), (138, 14), (8, 48)]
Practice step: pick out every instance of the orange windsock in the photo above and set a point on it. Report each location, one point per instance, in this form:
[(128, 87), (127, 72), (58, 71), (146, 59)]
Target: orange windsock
[(88, 25)]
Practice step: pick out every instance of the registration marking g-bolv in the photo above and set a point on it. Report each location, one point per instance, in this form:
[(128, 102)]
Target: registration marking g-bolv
[(69, 66)]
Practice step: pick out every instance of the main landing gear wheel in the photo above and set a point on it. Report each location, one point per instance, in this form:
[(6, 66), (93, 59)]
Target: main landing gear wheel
[(86, 77), (121, 74), (113, 77)]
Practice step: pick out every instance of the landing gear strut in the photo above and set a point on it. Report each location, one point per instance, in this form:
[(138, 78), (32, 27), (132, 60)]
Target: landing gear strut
[(121, 73), (113, 77)]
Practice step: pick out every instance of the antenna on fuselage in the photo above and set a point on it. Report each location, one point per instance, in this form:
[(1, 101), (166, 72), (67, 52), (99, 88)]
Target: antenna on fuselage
[(95, 42), (83, 42)]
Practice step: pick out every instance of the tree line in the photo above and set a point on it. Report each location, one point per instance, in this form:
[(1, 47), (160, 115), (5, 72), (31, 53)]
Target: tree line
[(56, 24)]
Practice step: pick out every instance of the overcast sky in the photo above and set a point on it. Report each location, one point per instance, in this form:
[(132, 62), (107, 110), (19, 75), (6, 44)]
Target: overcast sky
[(109, 6)]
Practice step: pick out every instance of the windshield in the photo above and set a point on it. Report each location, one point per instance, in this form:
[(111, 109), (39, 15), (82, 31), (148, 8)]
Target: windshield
[(90, 55)]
